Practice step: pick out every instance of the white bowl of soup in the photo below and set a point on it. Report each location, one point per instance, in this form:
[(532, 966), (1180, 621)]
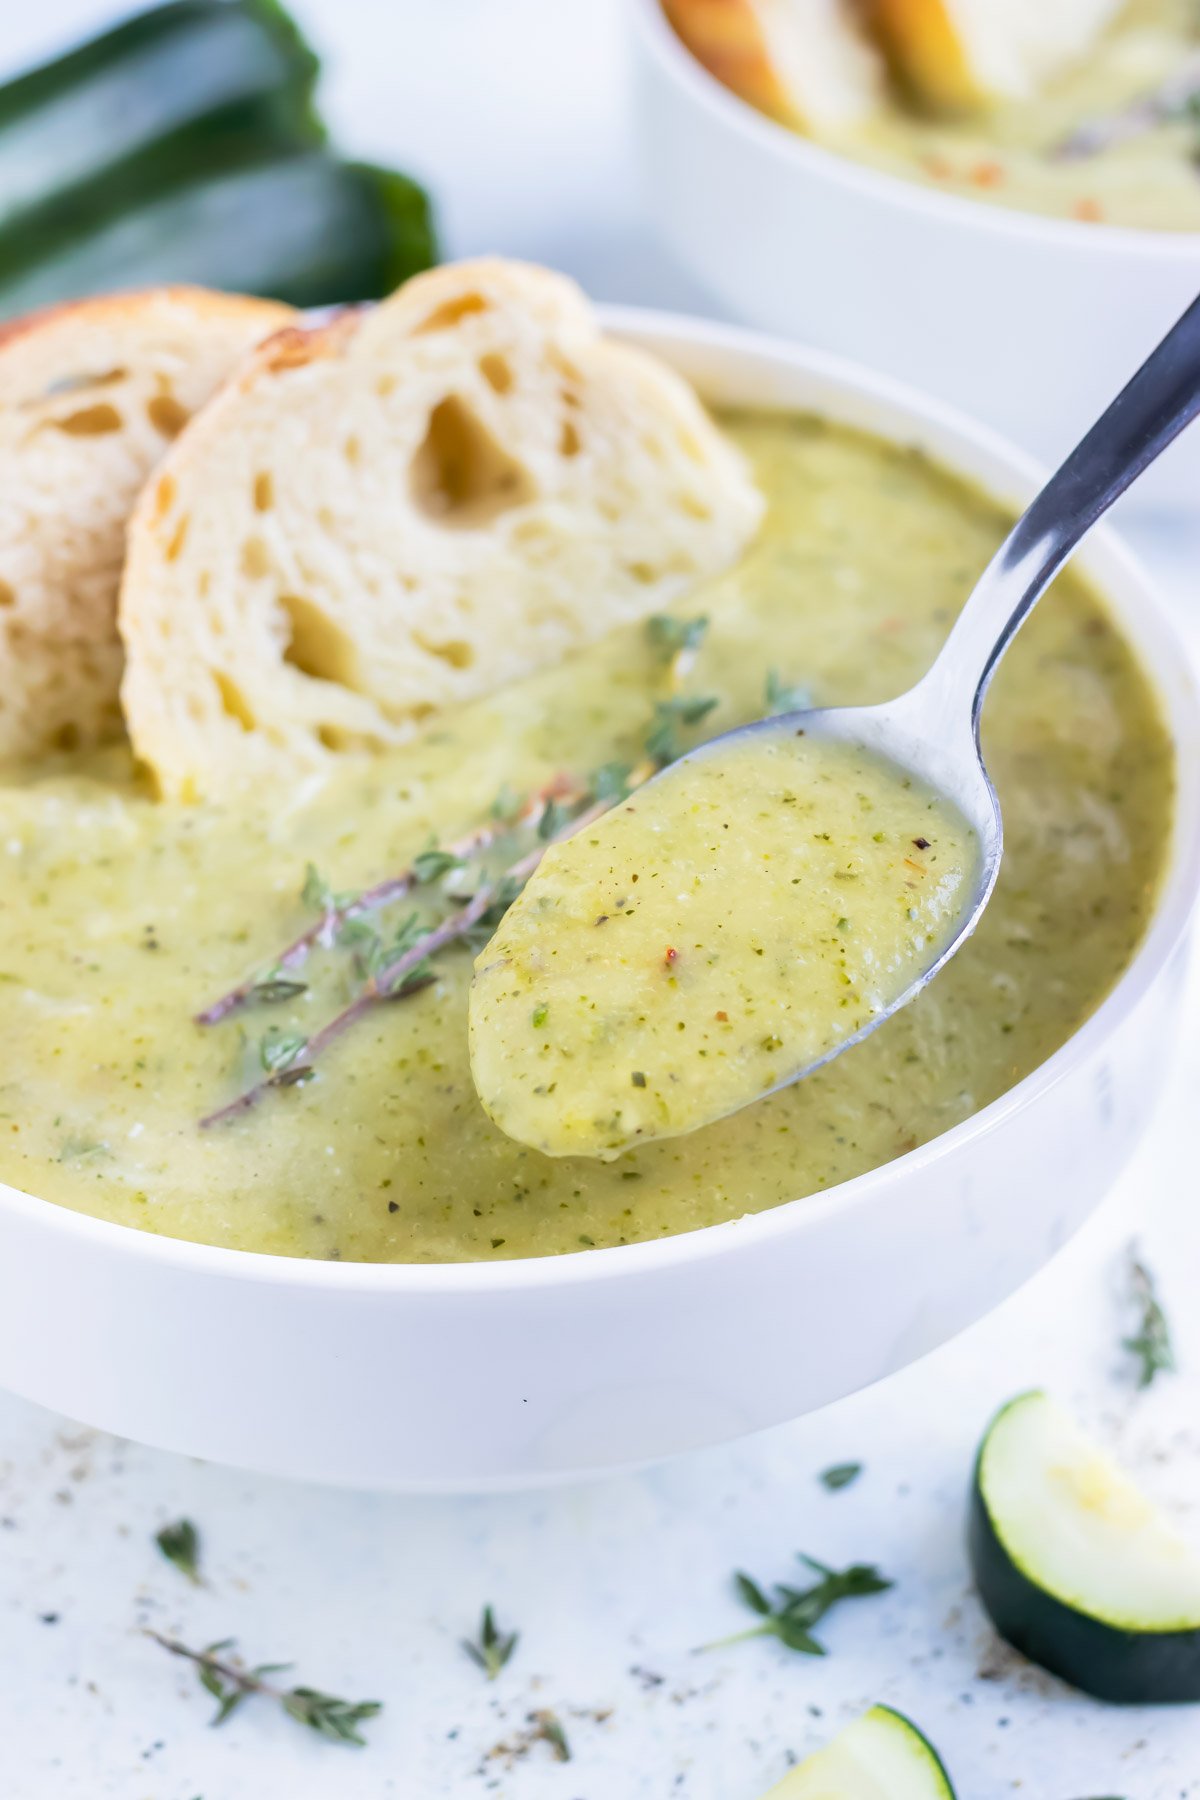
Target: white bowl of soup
[(364, 1281), (1022, 288)]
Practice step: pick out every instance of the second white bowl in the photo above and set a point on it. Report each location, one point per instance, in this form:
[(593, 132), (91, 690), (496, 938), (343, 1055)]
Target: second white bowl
[(1030, 323)]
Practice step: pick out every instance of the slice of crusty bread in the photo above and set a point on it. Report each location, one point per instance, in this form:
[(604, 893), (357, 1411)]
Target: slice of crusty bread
[(960, 54), (91, 394), (403, 509), (806, 62)]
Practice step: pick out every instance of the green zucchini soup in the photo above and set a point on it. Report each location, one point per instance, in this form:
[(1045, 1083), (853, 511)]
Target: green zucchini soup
[(1020, 153), (125, 917)]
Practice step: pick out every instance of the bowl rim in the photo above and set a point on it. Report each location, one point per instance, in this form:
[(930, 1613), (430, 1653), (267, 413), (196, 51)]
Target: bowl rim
[(1165, 930), (729, 111)]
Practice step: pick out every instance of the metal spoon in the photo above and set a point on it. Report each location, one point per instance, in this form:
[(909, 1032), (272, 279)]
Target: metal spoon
[(933, 729)]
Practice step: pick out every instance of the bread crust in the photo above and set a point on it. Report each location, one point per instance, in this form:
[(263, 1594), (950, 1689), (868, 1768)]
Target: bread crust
[(928, 52), (726, 38), (962, 55), (807, 63), (402, 509), (91, 393)]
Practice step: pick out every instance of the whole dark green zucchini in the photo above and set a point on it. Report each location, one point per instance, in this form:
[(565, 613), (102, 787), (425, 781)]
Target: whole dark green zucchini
[(192, 86), (307, 229)]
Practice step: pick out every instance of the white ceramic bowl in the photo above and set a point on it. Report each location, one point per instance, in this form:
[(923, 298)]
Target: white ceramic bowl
[(475, 1376), (1030, 323)]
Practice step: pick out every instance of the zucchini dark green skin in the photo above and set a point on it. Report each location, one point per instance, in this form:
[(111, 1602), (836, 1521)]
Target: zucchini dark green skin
[(308, 229), (1129, 1667), (934, 1756), (188, 88)]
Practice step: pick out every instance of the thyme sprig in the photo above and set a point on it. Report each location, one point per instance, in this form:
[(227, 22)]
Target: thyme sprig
[(792, 1617), (1151, 1343), (180, 1544), (406, 974), (337, 910), (493, 1647), (395, 968), (231, 1683)]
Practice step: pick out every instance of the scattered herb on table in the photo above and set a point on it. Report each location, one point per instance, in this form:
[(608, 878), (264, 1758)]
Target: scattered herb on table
[(180, 1544), (548, 1726), (793, 1615), (840, 1475), (493, 1647), (230, 1684), (395, 968), (1151, 1344)]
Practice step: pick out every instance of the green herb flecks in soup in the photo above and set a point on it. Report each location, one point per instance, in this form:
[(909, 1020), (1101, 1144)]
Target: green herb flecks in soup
[(121, 918)]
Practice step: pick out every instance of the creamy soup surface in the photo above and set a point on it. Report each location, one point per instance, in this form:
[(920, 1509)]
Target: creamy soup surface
[(122, 917), (1007, 155), (709, 937)]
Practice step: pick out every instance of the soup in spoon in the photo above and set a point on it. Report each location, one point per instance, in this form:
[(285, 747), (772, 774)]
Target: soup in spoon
[(710, 937)]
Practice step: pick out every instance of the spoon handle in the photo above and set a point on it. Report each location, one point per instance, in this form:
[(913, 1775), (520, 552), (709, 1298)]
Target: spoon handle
[(1146, 416)]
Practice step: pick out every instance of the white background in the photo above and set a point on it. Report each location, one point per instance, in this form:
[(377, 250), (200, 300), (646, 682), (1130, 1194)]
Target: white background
[(513, 110)]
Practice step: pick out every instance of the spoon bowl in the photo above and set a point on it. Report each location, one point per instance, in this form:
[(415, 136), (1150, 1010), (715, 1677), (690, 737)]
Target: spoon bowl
[(932, 730), (912, 734)]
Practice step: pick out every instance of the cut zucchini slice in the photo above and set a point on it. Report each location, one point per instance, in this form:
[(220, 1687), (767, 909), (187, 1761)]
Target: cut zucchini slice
[(882, 1756), (1077, 1568)]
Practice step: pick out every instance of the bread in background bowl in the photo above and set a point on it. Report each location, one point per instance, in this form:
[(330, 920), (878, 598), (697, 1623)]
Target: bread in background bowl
[(1030, 322)]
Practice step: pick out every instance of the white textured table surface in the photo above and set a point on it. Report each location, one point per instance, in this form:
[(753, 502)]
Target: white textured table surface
[(513, 109)]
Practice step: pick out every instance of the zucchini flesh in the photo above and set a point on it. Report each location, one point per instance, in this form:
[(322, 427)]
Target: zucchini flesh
[(308, 229), (1076, 1567), (881, 1756), (187, 86)]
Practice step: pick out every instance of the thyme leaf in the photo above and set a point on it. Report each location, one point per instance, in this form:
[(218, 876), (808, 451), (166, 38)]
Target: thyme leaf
[(274, 989), (793, 1615), (506, 807), (180, 1544), (663, 743), (278, 1050), (555, 814), (669, 636), (230, 1684), (840, 1475), (782, 697), (316, 893), (610, 781), (493, 1647), (1151, 1343), (337, 1720), (431, 864)]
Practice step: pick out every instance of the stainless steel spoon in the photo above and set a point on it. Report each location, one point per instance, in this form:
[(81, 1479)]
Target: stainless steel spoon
[(933, 729)]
